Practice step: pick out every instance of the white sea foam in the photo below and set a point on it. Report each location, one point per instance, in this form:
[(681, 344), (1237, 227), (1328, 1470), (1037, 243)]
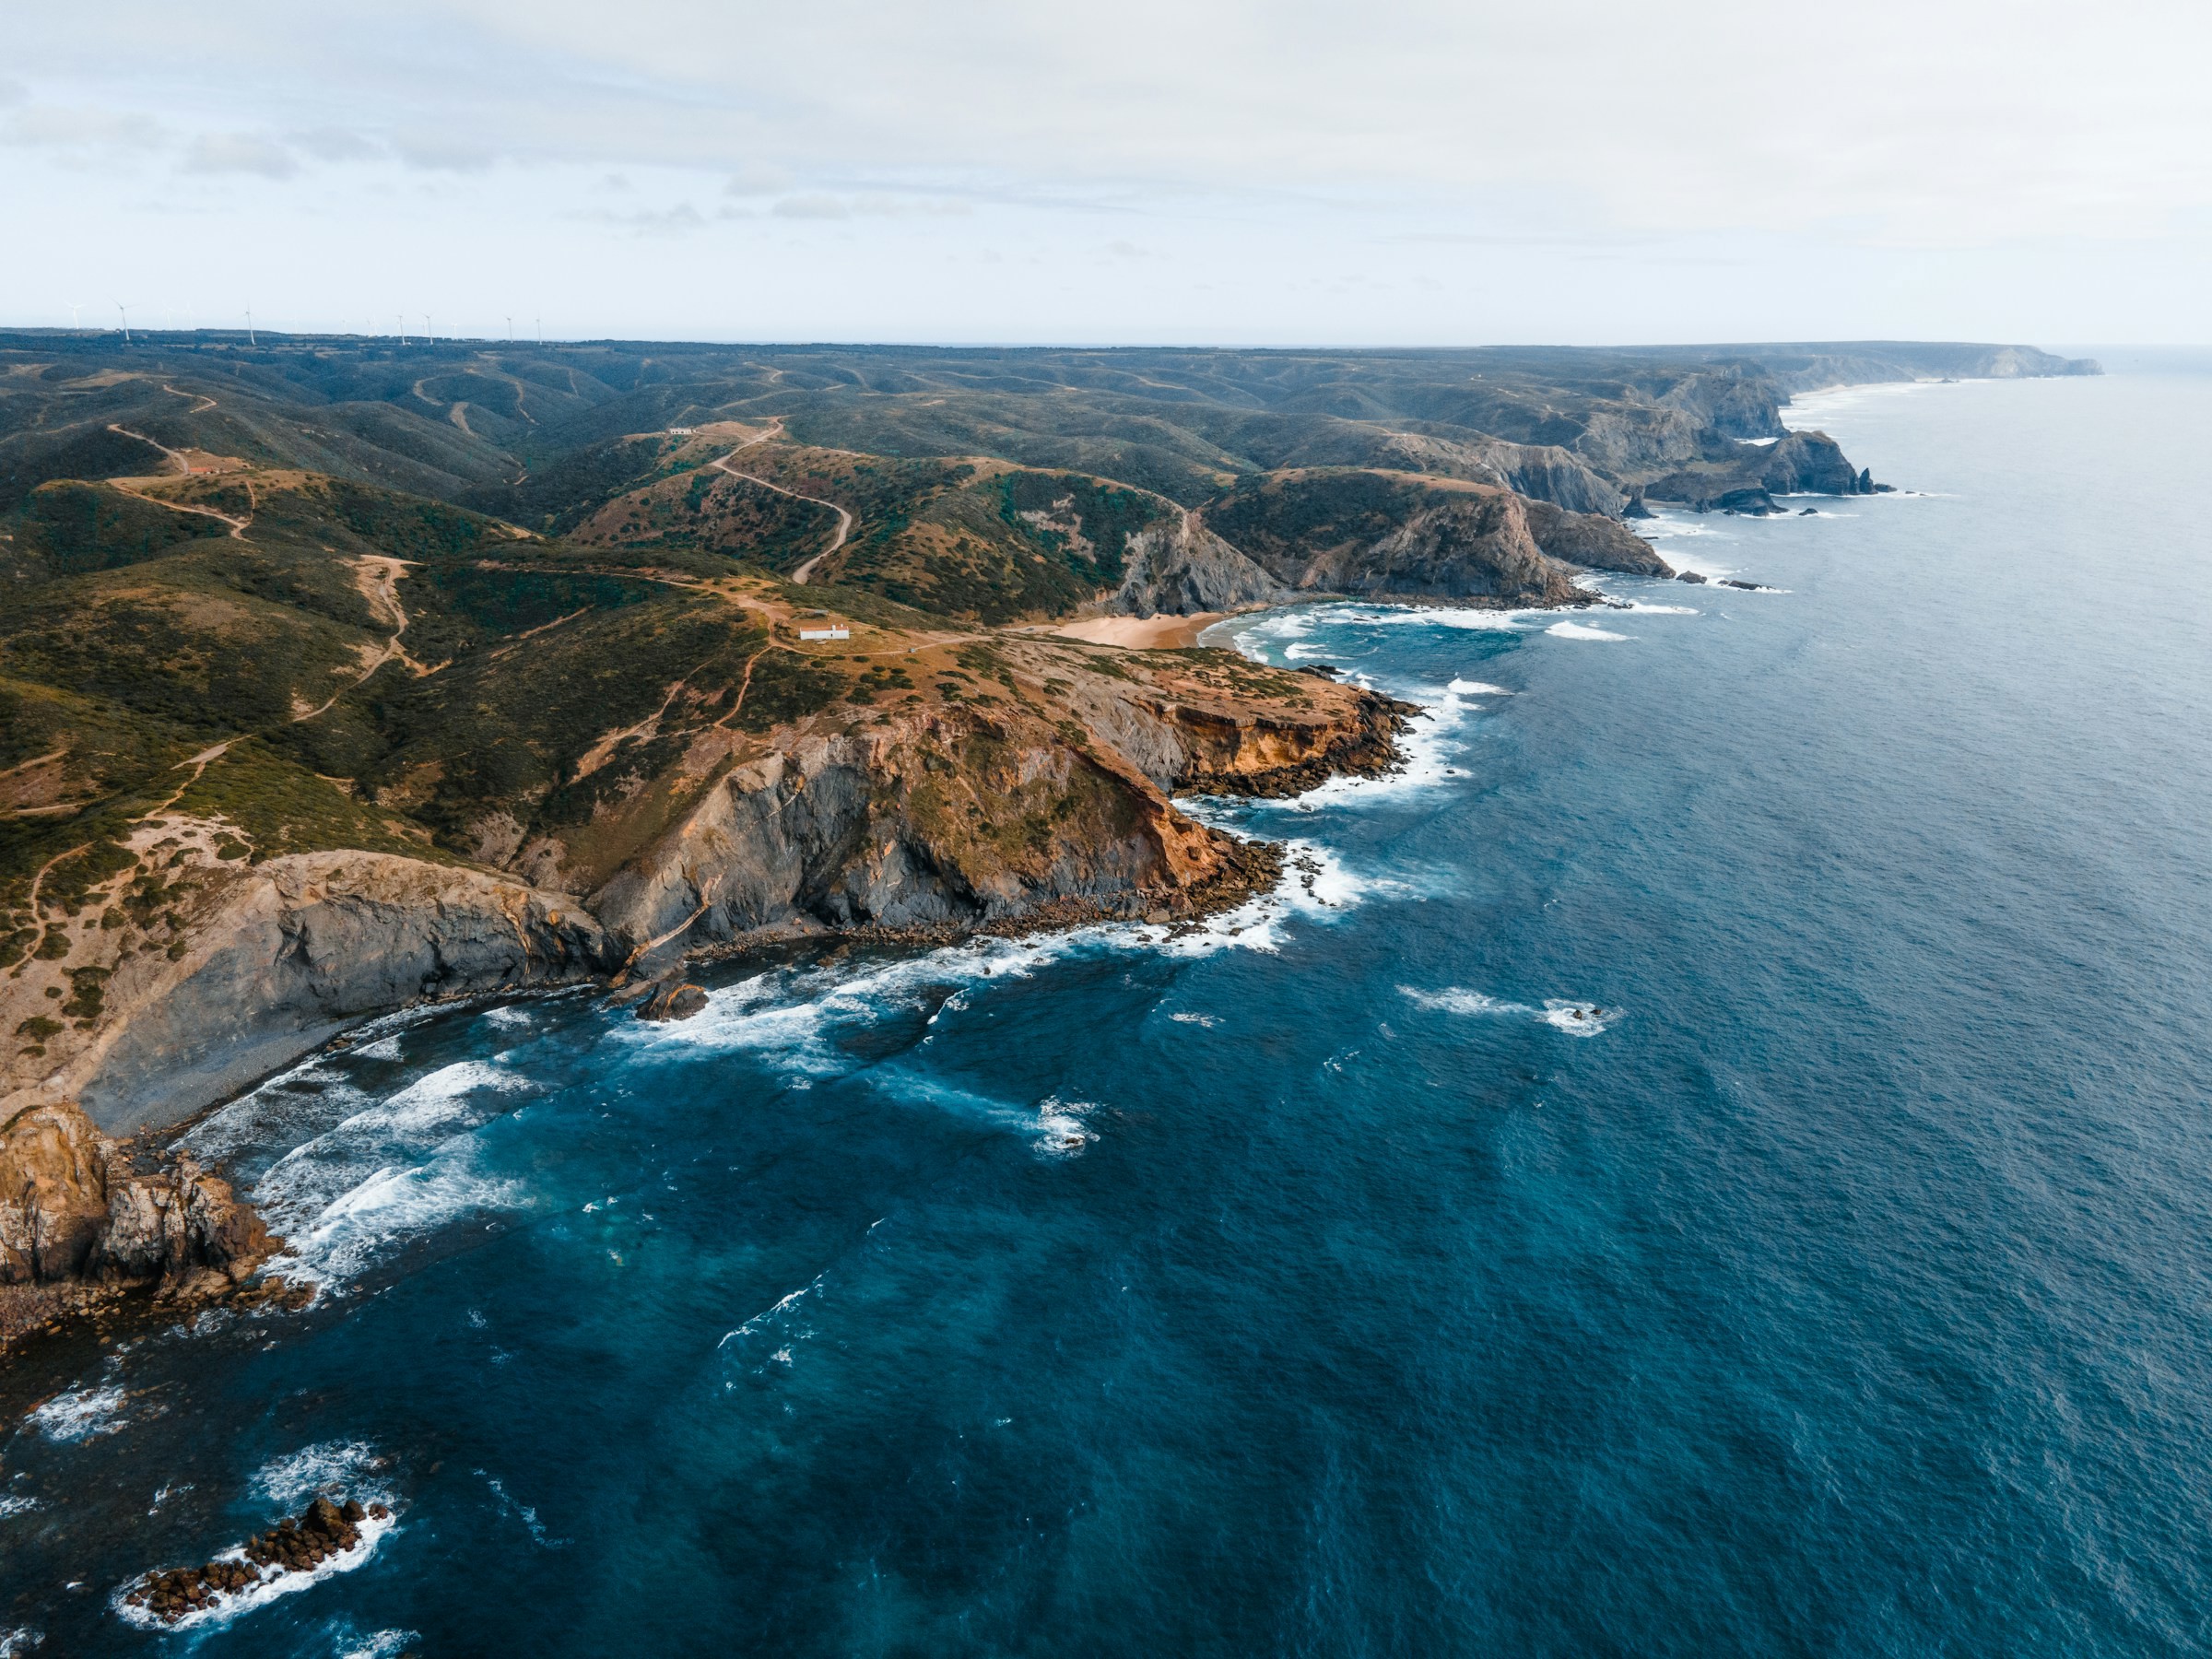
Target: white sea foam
[(81, 1413), (1809, 411), (1577, 1019), (1642, 608), (771, 1315), (1061, 1129), (383, 1048), (377, 1644), (524, 1514), (392, 1205), (1207, 1020), (19, 1641), (507, 1013), (393, 1169), (352, 1466), (16, 1505), (1581, 630), (1467, 687)]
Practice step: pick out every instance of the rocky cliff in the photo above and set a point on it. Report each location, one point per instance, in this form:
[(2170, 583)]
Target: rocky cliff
[(1178, 565), (243, 968), (1800, 464), (1376, 533), (951, 781), (76, 1216)]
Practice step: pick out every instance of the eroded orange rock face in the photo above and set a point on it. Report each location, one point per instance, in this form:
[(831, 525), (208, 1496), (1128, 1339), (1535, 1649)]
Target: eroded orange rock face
[(71, 1211)]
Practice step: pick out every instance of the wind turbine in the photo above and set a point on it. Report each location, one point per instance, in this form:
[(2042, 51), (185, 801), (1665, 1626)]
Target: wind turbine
[(399, 322), (541, 329), (510, 331), (125, 315), (252, 339), (427, 329), (73, 309)]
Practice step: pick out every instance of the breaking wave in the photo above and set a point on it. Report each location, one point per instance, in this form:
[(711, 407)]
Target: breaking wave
[(1574, 1017)]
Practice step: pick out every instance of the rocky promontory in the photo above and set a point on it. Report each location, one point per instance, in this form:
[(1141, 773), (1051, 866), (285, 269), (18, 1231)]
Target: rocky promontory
[(80, 1217)]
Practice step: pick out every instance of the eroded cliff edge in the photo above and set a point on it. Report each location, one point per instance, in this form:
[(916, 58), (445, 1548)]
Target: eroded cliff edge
[(1008, 780)]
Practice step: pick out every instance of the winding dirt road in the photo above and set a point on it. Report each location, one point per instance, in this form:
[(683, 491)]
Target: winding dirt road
[(844, 519)]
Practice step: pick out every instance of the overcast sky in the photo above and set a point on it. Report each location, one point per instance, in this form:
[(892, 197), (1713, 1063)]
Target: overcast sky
[(1590, 170)]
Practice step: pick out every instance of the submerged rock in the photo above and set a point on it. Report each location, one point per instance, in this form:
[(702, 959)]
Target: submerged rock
[(1687, 576)]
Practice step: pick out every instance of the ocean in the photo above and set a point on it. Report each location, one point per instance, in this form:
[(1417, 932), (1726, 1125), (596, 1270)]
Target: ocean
[(1715, 1157)]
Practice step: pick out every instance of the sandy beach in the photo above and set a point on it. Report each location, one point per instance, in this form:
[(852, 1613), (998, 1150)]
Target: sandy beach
[(1142, 633)]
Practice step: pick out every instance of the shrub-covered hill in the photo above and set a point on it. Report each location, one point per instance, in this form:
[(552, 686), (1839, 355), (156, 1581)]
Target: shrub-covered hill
[(533, 433)]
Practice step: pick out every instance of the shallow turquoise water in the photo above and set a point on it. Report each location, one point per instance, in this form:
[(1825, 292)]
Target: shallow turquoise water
[(1323, 1284)]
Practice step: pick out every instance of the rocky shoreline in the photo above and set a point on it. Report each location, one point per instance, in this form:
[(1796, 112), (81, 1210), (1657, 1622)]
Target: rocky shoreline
[(86, 1221)]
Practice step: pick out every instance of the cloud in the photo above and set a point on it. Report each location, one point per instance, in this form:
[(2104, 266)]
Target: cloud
[(12, 93), (874, 206), (336, 144), (757, 178), (443, 152), (239, 153), (665, 221), (52, 127), (812, 207)]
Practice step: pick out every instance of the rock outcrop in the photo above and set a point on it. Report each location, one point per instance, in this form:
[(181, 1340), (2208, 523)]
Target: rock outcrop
[(75, 1215), (1800, 464), (330, 1527), (972, 817), (1178, 567), (1375, 533), (1592, 541)]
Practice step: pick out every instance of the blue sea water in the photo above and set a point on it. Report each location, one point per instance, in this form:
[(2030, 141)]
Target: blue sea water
[(1715, 1159)]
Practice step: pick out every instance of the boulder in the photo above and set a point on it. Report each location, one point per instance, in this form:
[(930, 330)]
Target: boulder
[(672, 999)]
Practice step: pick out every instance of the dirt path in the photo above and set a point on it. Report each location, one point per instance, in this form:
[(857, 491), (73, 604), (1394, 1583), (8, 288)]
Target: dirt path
[(238, 525), (601, 752), (844, 519), (206, 403), (199, 763), (58, 858), (183, 465), (377, 576)]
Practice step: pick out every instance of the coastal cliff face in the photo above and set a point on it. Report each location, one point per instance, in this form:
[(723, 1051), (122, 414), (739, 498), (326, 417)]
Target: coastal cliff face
[(1052, 801), (241, 970), (1592, 541), (931, 780), (76, 1216), (1370, 533), (1177, 566), (1800, 464)]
